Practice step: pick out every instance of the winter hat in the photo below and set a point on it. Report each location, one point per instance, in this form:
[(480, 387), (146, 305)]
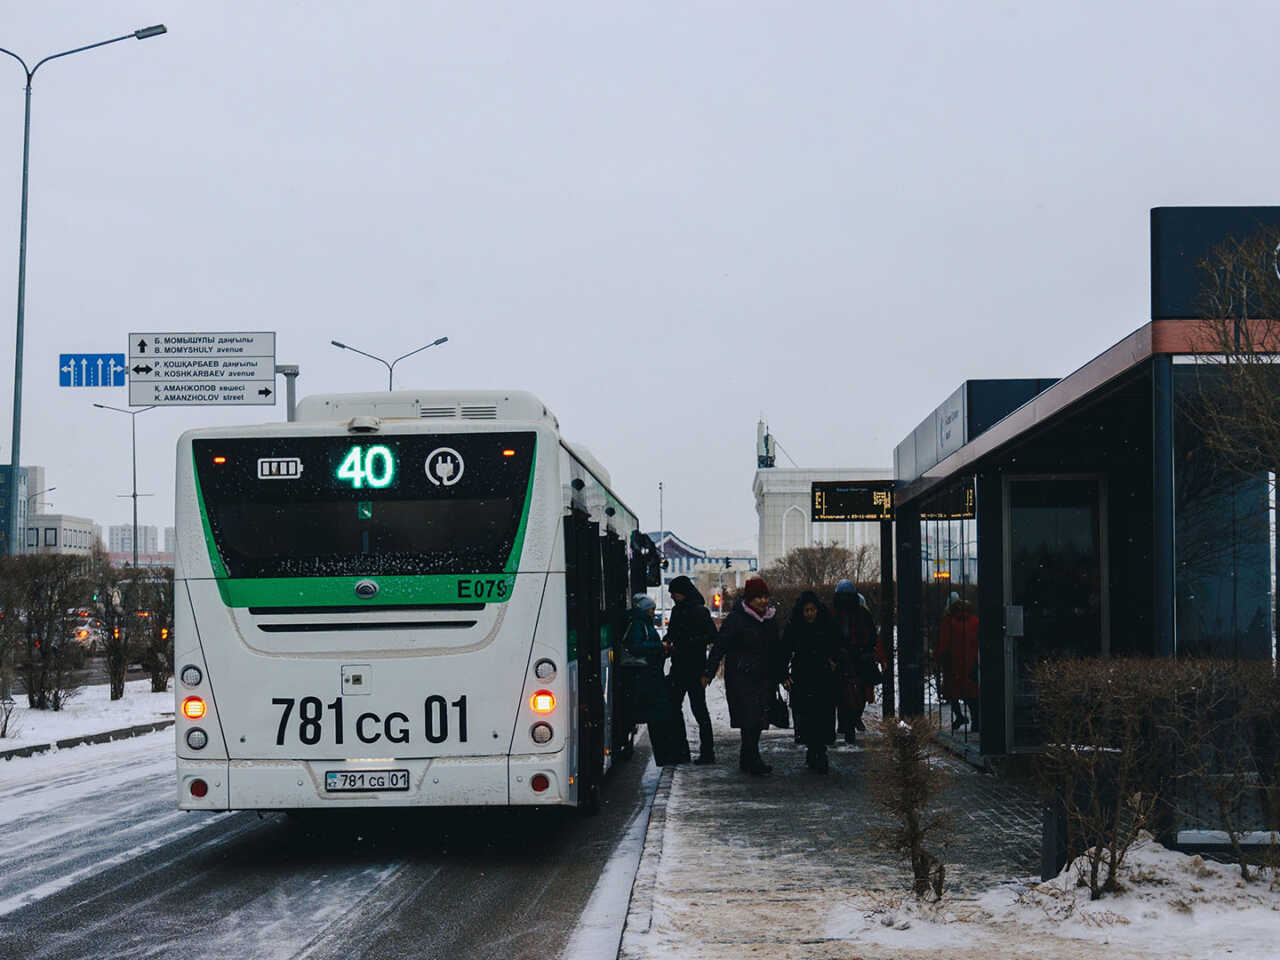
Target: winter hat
[(682, 585), (845, 586), (642, 601), (755, 587)]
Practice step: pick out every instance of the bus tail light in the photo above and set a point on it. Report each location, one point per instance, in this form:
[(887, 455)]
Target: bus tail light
[(197, 738), (538, 781), (541, 733), (544, 701), (193, 708), (198, 788)]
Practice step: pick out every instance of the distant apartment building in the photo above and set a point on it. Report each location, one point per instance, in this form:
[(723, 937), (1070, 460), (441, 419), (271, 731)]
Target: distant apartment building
[(37, 490), (120, 538), (170, 539)]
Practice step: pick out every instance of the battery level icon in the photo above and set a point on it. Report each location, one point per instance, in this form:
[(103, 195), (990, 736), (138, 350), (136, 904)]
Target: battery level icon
[(279, 468)]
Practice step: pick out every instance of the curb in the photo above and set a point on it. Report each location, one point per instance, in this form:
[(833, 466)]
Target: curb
[(640, 909), (106, 736)]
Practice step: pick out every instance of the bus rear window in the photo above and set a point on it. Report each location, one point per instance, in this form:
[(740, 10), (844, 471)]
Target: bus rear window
[(364, 505)]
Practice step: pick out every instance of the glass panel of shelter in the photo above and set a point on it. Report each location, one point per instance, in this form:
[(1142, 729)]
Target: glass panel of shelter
[(1224, 532), (1055, 591), (949, 614)]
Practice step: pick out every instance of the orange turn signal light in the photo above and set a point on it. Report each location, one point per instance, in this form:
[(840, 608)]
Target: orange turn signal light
[(219, 459), (508, 453), (193, 708), (544, 701)]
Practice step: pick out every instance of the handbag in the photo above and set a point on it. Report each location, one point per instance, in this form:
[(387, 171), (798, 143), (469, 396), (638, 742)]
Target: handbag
[(779, 715)]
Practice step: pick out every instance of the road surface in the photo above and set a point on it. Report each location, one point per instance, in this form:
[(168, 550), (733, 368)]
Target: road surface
[(95, 861)]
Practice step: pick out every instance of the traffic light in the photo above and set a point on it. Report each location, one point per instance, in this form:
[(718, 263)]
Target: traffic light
[(716, 600), (726, 563)]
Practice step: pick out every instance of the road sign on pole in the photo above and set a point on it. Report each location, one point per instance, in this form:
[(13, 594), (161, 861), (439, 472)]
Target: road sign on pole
[(91, 369), (199, 369)]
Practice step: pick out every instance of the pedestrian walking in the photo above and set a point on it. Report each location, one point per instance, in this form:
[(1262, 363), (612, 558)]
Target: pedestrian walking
[(689, 633), (748, 643), (650, 695), (958, 662), (861, 657), (811, 654)]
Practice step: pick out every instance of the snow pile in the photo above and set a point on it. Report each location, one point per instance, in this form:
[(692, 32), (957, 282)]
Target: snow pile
[(1171, 905), (1170, 902), (91, 710)]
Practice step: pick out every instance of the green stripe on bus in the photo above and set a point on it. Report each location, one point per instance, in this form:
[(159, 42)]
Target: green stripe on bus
[(219, 569), (513, 560), (341, 592)]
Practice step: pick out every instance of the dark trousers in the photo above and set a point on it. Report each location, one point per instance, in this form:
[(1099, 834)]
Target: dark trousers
[(848, 719), (749, 755), (692, 688)]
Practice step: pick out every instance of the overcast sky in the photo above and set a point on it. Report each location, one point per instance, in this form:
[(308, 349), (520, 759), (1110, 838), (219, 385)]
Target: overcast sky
[(665, 219)]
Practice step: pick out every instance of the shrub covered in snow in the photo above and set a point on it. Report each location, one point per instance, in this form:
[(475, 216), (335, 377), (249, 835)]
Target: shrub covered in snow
[(1150, 744)]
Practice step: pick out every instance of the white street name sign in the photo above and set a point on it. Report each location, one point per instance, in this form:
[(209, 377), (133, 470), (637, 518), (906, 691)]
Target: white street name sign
[(195, 369)]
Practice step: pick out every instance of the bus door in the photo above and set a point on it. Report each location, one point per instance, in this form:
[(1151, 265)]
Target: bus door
[(616, 609), (584, 592)]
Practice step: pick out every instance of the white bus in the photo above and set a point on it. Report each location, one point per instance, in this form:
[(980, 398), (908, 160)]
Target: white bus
[(400, 599)]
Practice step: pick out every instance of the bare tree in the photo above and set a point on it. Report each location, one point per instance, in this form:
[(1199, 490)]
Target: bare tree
[(823, 563), (11, 623), (116, 591), (50, 587), (1239, 340), (154, 622)]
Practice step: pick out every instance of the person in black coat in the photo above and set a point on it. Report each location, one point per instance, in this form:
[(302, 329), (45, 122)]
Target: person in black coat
[(649, 694), (749, 645), (860, 658), (812, 657), (689, 633)]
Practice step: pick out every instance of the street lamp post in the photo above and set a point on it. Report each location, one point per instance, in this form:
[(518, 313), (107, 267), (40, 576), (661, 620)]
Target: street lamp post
[(142, 34), (32, 497), (133, 437), (391, 367)]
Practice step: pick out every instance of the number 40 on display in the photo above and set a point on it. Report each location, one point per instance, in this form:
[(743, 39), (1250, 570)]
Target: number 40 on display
[(372, 467)]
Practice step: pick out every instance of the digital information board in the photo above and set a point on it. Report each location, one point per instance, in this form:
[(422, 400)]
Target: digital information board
[(958, 503), (843, 502)]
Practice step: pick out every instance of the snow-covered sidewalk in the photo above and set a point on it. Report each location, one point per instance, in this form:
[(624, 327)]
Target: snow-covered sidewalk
[(786, 867), (89, 711)]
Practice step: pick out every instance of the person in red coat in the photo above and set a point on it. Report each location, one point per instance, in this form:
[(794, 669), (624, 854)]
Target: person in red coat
[(958, 662)]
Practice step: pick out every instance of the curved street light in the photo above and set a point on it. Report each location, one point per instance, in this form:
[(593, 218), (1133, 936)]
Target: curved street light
[(143, 34), (391, 367), (33, 497)]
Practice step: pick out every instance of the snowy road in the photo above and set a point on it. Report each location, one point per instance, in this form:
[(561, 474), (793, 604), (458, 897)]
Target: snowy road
[(96, 862)]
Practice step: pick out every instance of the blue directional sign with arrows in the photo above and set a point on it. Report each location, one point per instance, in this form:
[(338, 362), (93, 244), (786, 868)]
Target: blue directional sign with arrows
[(91, 370)]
